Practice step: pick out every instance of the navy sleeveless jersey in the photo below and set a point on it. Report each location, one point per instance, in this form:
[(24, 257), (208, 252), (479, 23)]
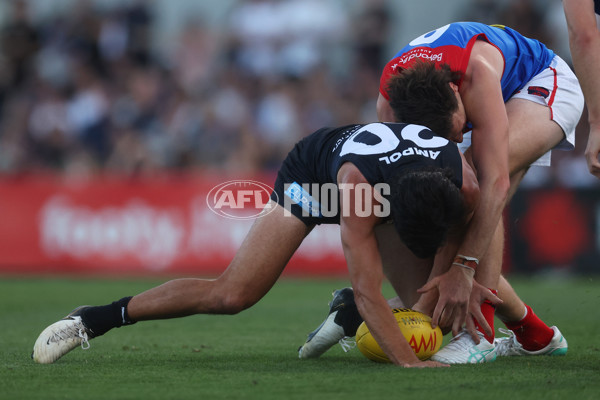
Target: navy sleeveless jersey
[(378, 150), (381, 150)]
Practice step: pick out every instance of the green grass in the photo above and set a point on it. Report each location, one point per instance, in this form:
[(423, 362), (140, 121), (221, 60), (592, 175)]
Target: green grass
[(253, 355)]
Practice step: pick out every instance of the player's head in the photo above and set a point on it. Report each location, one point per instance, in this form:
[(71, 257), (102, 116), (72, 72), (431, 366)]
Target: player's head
[(423, 95), (425, 205)]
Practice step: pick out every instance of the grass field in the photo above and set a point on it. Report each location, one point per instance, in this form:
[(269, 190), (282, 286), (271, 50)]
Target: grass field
[(253, 355)]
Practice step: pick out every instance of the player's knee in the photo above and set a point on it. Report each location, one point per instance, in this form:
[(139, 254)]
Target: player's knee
[(233, 303)]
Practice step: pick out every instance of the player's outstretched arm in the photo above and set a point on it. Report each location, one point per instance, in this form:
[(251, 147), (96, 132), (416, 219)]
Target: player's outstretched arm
[(584, 41), (366, 274)]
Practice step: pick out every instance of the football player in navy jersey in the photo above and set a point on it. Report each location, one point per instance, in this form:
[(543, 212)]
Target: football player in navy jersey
[(584, 41), (431, 190)]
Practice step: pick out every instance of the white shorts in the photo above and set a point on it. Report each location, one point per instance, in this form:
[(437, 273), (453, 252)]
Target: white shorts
[(561, 93)]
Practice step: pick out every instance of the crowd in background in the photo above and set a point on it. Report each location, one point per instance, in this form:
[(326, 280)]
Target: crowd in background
[(86, 92)]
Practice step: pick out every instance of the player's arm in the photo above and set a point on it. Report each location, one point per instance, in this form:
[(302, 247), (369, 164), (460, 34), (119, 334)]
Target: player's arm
[(366, 274), (481, 95), (584, 41)]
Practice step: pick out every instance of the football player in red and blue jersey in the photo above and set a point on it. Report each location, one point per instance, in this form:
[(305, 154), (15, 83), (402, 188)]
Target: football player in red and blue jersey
[(509, 100), (584, 41)]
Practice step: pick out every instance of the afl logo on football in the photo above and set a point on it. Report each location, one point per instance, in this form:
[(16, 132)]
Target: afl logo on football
[(240, 199)]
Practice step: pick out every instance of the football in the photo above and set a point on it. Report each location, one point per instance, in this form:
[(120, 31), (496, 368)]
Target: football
[(416, 328)]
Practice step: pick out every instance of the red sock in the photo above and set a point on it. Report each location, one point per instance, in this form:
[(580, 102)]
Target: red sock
[(488, 310), (531, 332)]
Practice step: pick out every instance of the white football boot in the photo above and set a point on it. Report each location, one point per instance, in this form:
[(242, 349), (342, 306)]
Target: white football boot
[(341, 324), (61, 337), (508, 346), (463, 350)]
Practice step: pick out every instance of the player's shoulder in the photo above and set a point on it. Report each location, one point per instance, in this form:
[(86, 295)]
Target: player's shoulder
[(485, 55)]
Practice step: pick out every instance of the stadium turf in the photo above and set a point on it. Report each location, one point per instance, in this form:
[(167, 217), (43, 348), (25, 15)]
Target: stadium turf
[(253, 355)]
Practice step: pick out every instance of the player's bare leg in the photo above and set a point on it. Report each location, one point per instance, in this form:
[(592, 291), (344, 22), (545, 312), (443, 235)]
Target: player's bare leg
[(512, 307), (257, 265), (527, 142), (263, 255)]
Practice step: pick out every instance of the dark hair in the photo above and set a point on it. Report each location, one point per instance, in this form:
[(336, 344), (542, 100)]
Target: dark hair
[(425, 205), (422, 95)]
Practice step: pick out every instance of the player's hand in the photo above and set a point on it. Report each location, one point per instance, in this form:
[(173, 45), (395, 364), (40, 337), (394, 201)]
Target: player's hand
[(427, 302), (425, 364), (479, 294), (592, 151), (454, 289)]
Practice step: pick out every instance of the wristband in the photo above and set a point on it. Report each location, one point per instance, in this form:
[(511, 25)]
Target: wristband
[(467, 258), (464, 266), (466, 262)]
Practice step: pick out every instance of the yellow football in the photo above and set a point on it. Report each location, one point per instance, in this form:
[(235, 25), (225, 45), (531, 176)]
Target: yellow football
[(416, 328)]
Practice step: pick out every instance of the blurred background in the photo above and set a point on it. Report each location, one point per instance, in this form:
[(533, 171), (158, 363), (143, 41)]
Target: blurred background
[(117, 117)]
